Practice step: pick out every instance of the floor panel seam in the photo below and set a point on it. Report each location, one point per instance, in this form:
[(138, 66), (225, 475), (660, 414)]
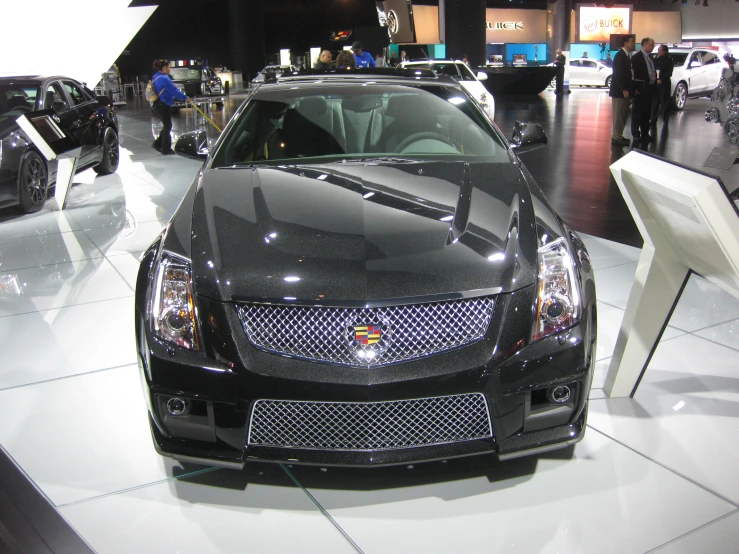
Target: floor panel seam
[(693, 531), (68, 306), (68, 377), (322, 509), (664, 466), (714, 342), (138, 487)]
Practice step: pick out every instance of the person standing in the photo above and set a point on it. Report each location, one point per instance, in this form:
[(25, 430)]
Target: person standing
[(380, 61), (403, 56), (465, 61), (166, 93), (608, 61), (362, 59), (665, 67), (394, 60), (621, 90), (346, 60), (324, 61), (645, 84), (559, 77)]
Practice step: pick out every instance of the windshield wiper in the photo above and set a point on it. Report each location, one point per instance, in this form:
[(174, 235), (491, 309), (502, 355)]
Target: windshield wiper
[(380, 159)]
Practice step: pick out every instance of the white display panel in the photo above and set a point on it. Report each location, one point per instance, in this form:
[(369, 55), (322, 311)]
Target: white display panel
[(688, 224)]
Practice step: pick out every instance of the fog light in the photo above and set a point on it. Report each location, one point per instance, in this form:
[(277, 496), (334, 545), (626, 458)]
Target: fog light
[(560, 394), (176, 406)]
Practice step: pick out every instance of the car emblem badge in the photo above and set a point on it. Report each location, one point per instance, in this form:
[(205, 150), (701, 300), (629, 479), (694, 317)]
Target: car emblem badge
[(368, 341)]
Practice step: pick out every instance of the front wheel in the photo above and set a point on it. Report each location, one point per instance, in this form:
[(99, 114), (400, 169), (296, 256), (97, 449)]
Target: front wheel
[(680, 97), (111, 153), (33, 183), (608, 81)]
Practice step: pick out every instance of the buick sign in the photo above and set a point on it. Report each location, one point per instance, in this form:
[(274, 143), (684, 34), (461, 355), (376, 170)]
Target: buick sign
[(505, 25)]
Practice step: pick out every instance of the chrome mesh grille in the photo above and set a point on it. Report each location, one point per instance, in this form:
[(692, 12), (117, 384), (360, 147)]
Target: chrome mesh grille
[(369, 425), (327, 334)]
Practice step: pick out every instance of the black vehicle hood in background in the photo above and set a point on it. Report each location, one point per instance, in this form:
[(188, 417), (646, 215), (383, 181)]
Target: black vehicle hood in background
[(355, 232)]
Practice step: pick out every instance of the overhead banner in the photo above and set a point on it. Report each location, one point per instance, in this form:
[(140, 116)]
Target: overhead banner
[(598, 24), (515, 26), (397, 16)]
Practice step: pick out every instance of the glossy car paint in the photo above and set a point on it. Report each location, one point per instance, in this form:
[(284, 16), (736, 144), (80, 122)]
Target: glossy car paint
[(88, 121), (352, 250)]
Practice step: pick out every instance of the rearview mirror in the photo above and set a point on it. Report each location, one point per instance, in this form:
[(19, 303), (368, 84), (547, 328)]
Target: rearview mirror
[(482, 76), (527, 137), (193, 145)]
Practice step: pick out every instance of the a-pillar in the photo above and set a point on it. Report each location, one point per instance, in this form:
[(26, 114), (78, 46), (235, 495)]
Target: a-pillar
[(246, 36), (558, 27), (464, 26)]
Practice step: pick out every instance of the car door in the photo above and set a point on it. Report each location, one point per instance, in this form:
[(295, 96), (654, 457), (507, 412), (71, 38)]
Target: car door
[(694, 71), (84, 125), (576, 72), (713, 68), (590, 73)]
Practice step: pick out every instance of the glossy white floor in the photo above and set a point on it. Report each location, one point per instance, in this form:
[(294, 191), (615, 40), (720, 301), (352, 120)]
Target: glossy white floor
[(657, 472)]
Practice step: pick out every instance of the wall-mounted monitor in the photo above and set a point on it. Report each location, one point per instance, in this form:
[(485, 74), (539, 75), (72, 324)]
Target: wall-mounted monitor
[(520, 59)]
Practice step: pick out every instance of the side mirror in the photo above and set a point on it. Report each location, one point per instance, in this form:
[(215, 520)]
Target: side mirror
[(193, 145), (527, 137), (482, 76)]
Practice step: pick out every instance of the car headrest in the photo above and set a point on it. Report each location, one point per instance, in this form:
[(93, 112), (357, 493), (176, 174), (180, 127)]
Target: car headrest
[(17, 101), (312, 108)]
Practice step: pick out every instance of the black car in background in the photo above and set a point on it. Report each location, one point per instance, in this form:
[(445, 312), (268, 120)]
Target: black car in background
[(196, 80), (364, 273), (26, 178)]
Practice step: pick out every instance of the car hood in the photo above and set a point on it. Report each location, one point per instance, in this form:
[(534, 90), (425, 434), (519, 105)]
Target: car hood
[(354, 233)]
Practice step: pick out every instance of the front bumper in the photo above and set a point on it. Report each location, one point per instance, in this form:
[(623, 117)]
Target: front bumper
[(224, 385)]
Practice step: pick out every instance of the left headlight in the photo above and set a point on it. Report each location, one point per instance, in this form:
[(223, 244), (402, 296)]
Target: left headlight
[(172, 307), (558, 298)]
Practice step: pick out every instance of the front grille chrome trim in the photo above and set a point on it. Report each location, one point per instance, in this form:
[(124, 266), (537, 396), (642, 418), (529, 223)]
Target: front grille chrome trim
[(373, 426), (326, 334)]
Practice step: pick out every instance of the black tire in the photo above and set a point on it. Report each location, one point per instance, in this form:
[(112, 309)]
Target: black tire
[(111, 153), (33, 182), (608, 82)]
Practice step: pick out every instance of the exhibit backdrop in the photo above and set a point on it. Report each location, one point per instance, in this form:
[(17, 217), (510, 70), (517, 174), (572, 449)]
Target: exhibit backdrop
[(718, 21), (663, 27), (515, 26), (597, 24)]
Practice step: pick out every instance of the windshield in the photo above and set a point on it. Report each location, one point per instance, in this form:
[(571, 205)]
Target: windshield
[(184, 74), (15, 100), (344, 122)]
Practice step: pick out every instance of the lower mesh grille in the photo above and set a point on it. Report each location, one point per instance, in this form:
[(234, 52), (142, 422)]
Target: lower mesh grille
[(369, 425)]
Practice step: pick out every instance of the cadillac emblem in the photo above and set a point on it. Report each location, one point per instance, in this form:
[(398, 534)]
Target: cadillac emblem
[(368, 341), (392, 22)]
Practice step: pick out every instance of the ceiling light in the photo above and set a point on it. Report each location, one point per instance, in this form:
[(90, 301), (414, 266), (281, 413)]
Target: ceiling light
[(292, 279)]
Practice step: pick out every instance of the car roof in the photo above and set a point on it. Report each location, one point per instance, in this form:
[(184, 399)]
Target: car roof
[(383, 76), (34, 78)]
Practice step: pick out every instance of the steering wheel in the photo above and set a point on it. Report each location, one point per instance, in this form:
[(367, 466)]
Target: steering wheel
[(415, 137)]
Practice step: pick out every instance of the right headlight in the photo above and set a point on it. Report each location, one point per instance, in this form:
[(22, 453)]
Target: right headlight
[(558, 298), (172, 307)]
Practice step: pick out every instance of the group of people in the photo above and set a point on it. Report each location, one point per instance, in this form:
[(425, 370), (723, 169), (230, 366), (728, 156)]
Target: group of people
[(356, 58), (645, 84)]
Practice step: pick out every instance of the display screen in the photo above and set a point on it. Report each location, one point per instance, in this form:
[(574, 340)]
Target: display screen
[(520, 58), (47, 128), (398, 16), (597, 24)]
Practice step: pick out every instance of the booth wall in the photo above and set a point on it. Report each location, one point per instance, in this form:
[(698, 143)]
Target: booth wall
[(528, 49), (534, 23), (662, 26), (426, 22)]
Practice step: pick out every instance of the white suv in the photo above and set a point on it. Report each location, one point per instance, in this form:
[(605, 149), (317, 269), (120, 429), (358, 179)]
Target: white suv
[(458, 71), (697, 72)]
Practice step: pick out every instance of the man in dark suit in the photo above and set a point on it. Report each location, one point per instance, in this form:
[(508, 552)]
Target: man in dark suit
[(645, 88), (665, 66), (621, 90)]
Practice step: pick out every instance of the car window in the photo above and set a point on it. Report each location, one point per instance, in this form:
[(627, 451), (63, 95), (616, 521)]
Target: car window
[(16, 100), (678, 58), (709, 58), (467, 75), (448, 69), (576, 63), (75, 93), (589, 64), (54, 97), (184, 74), (695, 59), (344, 122)]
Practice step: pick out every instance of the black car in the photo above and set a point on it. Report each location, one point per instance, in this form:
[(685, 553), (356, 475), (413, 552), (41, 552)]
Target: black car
[(196, 80), (26, 177), (364, 273)]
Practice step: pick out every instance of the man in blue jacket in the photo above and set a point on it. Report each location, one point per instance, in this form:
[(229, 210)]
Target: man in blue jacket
[(363, 59), (166, 92)]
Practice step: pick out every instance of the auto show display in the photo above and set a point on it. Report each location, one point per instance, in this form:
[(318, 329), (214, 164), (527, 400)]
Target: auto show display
[(26, 175), (697, 72), (364, 273), (725, 104), (689, 224), (197, 81)]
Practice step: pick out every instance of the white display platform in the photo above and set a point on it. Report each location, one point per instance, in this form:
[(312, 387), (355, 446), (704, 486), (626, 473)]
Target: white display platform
[(689, 224)]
